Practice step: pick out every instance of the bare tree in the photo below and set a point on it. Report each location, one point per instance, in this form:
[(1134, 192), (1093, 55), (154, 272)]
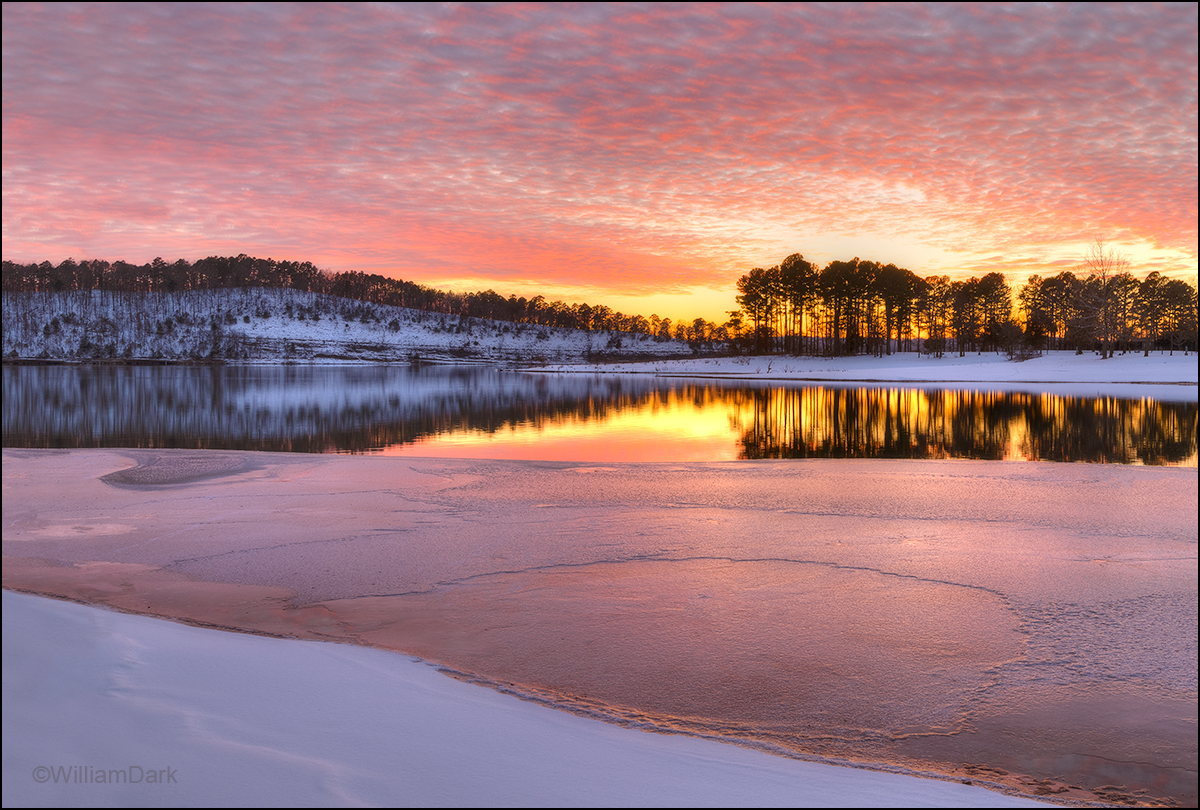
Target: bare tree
[(1098, 303)]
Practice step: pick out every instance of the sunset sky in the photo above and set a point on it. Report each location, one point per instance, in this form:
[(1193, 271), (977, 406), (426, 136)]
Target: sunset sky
[(640, 156)]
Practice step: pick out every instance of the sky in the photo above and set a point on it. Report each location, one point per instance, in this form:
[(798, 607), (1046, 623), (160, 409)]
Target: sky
[(642, 156)]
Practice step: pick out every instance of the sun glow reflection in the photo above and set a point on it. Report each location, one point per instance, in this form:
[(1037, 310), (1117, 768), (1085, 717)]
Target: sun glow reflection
[(670, 428), (774, 422)]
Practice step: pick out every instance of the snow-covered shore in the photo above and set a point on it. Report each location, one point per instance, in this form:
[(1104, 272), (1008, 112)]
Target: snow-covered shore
[(1159, 376), (256, 325), (181, 716)]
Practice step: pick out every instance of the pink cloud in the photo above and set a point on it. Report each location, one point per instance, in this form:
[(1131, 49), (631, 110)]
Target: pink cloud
[(635, 147)]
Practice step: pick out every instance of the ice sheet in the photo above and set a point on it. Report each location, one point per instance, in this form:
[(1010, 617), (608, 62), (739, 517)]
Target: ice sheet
[(1034, 618)]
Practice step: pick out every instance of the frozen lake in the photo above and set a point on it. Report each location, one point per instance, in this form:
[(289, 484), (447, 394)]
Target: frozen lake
[(1032, 623), (877, 574)]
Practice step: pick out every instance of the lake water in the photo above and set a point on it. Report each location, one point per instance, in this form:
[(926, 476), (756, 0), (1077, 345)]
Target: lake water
[(491, 413)]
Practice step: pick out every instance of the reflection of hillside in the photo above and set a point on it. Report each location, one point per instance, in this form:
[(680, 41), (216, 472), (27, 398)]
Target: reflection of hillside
[(911, 423), (293, 408)]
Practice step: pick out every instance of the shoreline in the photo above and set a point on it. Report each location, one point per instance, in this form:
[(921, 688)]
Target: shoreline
[(1018, 786), (456, 745), (232, 585), (1164, 377), (997, 781)]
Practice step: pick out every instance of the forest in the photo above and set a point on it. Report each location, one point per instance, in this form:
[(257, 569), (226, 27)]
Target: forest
[(795, 307), (857, 306), (242, 271)]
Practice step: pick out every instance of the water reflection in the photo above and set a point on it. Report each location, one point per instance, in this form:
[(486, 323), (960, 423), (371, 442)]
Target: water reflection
[(917, 423), (484, 412)]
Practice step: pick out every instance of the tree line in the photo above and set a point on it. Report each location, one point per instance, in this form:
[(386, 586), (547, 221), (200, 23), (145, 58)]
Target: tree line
[(859, 306), (242, 271), (796, 307)]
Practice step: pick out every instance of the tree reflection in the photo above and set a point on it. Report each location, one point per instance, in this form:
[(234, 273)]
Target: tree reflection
[(938, 424), (369, 408), (290, 408)]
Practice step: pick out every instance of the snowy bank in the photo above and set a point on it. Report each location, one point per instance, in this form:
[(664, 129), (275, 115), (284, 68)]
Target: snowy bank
[(1159, 376), (219, 718)]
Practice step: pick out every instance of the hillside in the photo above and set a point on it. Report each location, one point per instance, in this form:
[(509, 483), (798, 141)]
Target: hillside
[(289, 325)]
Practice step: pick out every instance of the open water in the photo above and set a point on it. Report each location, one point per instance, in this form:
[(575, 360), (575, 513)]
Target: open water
[(491, 413)]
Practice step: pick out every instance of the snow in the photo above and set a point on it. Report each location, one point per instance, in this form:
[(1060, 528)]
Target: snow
[(255, 325), (290, 326), (232, 719), (1160, 376)]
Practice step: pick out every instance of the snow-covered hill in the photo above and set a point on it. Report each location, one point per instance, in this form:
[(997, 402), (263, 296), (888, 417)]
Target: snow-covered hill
[(289, 325)]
